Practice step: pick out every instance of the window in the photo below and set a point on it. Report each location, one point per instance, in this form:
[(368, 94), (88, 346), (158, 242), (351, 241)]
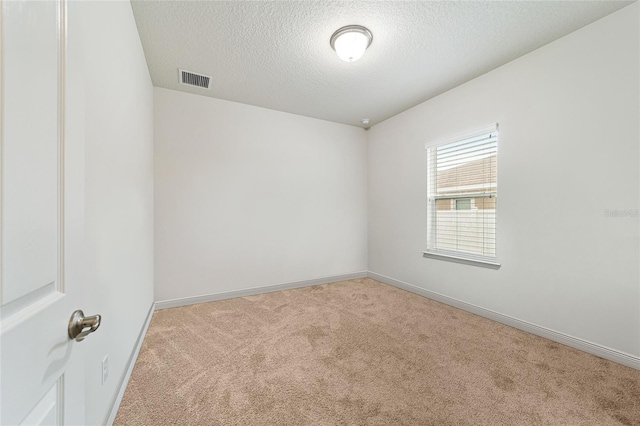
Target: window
[(462, 194), (463, 204)]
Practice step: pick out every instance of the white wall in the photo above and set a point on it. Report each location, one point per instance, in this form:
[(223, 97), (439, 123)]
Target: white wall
[(568, 151), (248, 197), (118, 192)]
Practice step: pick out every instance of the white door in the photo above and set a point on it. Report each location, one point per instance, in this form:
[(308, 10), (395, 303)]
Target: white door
[(41, 370)]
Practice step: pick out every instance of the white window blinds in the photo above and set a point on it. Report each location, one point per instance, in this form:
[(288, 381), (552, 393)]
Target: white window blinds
[(462, 195)]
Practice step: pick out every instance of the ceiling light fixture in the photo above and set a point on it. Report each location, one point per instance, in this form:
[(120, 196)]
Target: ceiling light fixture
[(350, 42)]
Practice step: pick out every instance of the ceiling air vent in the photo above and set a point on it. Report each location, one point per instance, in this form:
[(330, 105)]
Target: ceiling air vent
[(192, 79)]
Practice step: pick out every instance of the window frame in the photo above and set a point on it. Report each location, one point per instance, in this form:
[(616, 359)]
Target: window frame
[(454, 255)]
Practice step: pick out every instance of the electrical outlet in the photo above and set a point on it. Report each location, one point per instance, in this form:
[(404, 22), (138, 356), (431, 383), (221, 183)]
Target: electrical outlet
[(105, 368)]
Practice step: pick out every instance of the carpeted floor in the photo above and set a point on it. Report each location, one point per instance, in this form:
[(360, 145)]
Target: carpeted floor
[(361, 352)]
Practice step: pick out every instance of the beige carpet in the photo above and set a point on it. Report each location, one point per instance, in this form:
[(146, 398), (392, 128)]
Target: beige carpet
[(363, 353)]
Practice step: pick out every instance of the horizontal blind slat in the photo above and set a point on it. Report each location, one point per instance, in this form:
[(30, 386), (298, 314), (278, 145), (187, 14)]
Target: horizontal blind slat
[(466, 150), (467, 141)]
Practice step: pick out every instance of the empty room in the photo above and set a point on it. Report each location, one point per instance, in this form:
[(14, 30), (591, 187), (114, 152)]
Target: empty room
[(320, 212)]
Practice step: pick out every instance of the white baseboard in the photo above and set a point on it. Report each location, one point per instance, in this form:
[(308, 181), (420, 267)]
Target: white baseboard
[(132, 362), (574, 342), (174, 303)]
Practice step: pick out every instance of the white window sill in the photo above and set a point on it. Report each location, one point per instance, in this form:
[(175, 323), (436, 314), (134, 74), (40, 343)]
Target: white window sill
[(460, 259)]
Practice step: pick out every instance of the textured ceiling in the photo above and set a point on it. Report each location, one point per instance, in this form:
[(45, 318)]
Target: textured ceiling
[(276, 54)]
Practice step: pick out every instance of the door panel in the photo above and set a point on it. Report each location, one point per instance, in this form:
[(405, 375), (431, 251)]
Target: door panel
[(31, 129), (46, 410), (41, 216), (34, 356)]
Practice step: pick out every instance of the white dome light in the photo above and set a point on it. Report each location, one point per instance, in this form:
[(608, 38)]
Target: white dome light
[(350, 42)]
